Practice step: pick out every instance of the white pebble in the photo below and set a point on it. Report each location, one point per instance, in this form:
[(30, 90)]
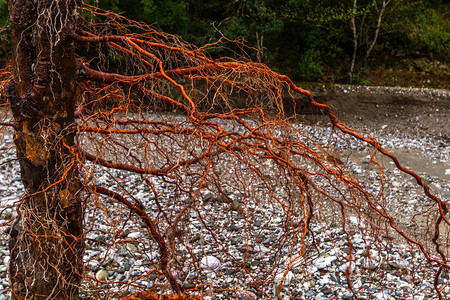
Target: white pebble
[(210, 262), (102, 275)]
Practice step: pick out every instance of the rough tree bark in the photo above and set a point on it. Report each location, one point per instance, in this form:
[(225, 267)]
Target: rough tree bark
[(46, 240)]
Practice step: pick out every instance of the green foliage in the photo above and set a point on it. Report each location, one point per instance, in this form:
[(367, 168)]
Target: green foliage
[(301, 38), (4, 17), (4, 39), (310, 66), (430, 32), (360, 81), (166, 13), (111, 5), (317, 13)]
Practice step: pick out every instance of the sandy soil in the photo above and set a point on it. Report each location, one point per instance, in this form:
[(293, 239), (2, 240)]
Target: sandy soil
[(411, 112)]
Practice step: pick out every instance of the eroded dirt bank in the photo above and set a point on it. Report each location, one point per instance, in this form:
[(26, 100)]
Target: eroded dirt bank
[(414, 110), (405, 114)]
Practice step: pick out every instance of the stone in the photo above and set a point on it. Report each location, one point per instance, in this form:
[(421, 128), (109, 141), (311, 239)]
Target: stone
[(121, 277), (230, 272), (241, 295), (276, 221), (134, 235), (324, 262), (247, 250), (131, 248), (277, 281), (140, 195), (210, 263), (395, 265), (343, 268), (195, 238), (102, 275), (309, 293), (347, 295), (287, 279)]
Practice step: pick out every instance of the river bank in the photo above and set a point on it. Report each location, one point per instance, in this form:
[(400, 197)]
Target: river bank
[(377, 262)]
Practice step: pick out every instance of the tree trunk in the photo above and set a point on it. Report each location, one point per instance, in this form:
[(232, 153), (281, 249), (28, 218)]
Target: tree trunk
[(375, 36), (46, 243), (355, 42)]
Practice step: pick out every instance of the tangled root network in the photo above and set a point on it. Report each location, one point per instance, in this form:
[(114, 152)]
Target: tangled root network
[(203, 180)]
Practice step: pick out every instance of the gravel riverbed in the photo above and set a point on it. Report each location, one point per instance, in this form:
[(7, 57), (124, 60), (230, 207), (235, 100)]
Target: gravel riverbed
[(120, 259)]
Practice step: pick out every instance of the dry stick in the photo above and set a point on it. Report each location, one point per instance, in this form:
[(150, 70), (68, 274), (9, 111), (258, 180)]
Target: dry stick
[(157, 172), (164, 253), (92, 38), (8, 124), (155, 296), (133, 42), (104, 77)]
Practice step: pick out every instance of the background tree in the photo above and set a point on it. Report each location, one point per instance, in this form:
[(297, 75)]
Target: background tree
[(134, 145), (318, 35)]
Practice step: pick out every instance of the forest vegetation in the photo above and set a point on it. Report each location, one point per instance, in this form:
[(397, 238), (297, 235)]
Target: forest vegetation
[(313, 41)]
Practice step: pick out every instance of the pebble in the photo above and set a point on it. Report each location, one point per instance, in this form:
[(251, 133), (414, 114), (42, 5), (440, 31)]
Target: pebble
[(324, 262), (350, 267), (287, 278), (413, 202), (210, 263), (102, 275), (246, 296), (134, 235)]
